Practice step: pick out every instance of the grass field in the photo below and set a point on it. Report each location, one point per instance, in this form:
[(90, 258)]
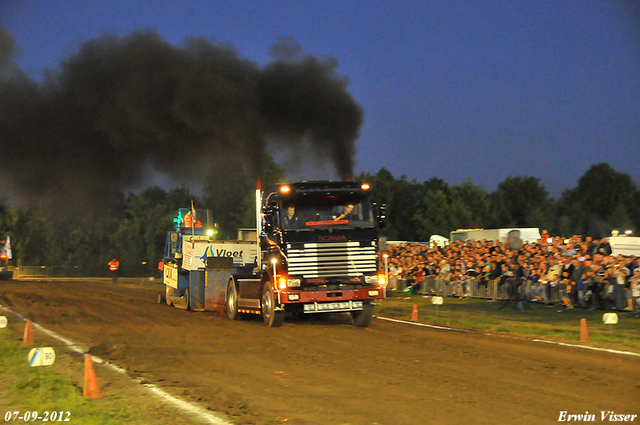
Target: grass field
[(29, 389), (54, 389), (536, 321)]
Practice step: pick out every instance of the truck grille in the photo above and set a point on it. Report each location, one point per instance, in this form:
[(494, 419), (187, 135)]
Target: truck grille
[(318, 260)]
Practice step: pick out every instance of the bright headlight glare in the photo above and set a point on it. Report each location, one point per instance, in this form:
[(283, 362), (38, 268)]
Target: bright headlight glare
[(371, 279)]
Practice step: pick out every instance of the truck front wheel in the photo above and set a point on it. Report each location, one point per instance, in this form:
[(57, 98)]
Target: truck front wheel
[(272, 317), (362, 318)]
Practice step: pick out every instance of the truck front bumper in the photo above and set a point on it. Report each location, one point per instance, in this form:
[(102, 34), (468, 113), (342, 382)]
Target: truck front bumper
[(330, 301)]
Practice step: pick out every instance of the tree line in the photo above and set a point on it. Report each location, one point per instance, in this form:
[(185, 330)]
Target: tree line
[(604, 199), (133, 227)]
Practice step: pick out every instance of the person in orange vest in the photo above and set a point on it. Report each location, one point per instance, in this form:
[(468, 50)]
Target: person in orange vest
[(113, 266), (188, 220)]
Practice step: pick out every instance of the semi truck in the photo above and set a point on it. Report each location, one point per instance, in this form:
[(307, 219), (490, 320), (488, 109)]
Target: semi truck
[(5, 256), (315, 252)]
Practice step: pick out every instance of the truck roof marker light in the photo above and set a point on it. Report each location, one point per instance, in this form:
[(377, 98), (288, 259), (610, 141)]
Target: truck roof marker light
[(365, 186), (285, 189)]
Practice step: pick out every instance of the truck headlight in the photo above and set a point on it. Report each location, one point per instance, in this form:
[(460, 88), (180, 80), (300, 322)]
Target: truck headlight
[(293, 283), (371, 280)]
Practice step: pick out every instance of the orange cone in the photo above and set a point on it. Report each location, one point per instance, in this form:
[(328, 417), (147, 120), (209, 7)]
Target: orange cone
[(584, 332), (90, 389), (27, 339), (414, 313), (141, 282)]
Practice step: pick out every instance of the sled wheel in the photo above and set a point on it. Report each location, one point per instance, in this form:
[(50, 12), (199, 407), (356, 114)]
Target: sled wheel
[(168, 291)]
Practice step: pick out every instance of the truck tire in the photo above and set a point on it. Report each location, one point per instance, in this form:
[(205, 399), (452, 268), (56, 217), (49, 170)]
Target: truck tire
[(362, 318), (272, 317), (232, 301)]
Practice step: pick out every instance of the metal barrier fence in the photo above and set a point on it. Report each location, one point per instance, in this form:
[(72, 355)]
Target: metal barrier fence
[(489, 289), (46, 271)]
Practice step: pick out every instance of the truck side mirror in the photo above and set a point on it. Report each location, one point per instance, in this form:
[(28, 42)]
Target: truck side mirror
[(270, 216), (381, 215)]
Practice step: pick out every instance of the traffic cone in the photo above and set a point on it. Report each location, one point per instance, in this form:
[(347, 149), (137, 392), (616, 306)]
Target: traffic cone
[(414, 313), (584, 332), (90, 389), (142, 282), (27, 339)]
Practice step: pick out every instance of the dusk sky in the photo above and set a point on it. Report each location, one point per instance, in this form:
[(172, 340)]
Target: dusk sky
[(449, 89)]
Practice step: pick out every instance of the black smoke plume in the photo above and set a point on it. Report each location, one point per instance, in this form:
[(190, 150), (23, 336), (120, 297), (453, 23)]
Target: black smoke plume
[(123, 104)]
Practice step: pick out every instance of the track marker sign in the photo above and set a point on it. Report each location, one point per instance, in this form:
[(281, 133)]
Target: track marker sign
[(44, 356), (3, 322)]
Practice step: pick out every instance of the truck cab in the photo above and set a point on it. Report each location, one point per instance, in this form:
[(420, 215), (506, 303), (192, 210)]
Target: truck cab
[(319, 250)]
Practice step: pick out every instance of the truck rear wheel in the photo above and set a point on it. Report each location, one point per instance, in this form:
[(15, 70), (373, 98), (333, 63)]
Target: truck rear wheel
[(362, 318), (272, 317), (232, 301)]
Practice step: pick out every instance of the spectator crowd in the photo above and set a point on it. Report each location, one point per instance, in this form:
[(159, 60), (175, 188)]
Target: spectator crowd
[(556, 271)]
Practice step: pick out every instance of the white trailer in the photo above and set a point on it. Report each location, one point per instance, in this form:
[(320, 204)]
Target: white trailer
[(527, 234), (625, 245)]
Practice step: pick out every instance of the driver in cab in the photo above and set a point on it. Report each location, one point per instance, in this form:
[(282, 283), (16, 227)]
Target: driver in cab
[(347, 214), (290, 217)]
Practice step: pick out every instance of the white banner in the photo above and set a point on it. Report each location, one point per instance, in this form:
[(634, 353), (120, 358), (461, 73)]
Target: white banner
[(194, 254)]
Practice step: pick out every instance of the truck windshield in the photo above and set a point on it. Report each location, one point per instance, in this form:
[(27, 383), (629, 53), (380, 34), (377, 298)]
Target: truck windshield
[(330, 211)]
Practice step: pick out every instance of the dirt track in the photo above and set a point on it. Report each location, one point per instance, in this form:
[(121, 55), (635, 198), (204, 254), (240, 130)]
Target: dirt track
[(329, 372)]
